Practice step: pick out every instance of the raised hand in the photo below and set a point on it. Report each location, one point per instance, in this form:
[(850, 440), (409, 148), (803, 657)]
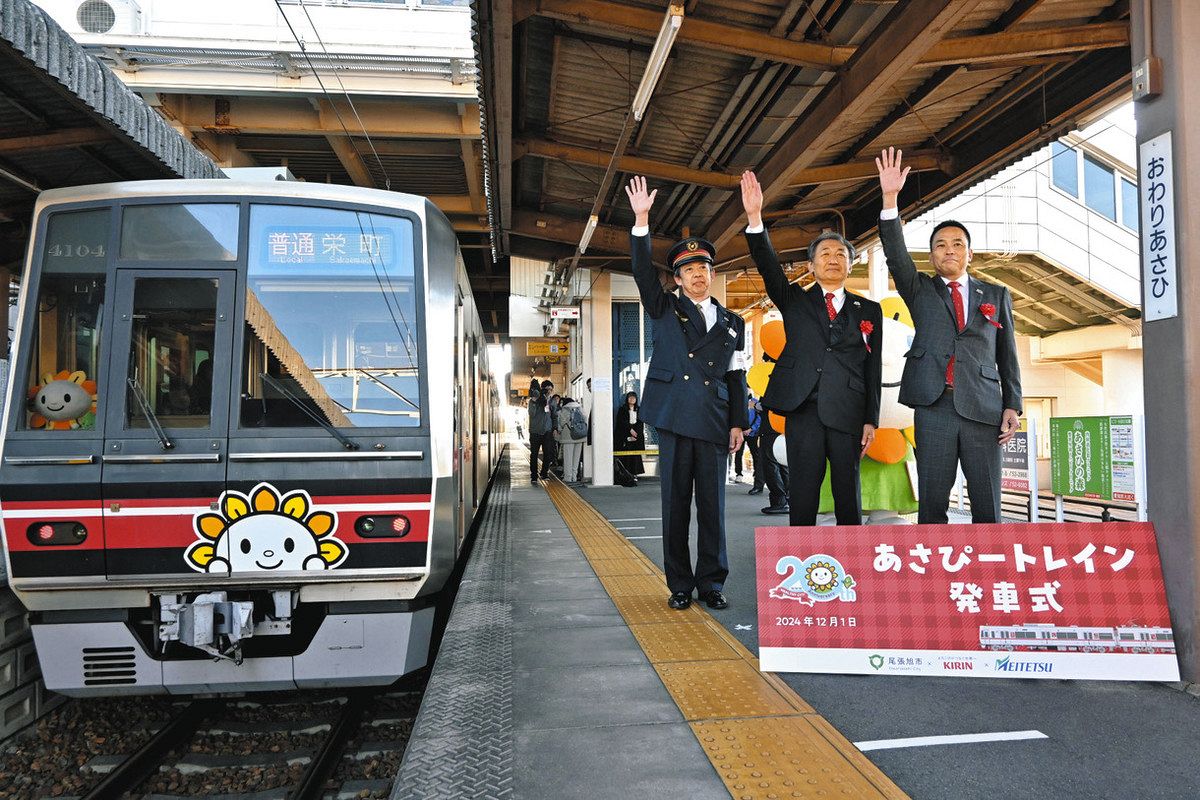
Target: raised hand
[(891, 176), (752, 198), (639, 199)]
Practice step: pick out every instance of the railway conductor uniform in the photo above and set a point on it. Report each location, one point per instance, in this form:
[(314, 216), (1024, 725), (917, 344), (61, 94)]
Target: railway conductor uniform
[(827, 382), (694, 394)]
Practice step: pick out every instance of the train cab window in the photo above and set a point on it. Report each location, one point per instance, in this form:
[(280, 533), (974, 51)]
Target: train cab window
[(180, 232), (66, 324), (330, 334), (170, 359)]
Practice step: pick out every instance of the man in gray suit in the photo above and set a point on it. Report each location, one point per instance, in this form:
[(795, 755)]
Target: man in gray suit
[(961, 375)]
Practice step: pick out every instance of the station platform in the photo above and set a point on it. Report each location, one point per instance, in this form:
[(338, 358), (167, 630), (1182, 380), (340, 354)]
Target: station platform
[(564, 674)]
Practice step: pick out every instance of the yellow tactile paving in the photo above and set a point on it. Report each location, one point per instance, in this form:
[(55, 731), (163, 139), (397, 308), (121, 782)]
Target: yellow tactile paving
[(763, 739), (636, 585), (672, 641), (780, 757), (720, 690), (644, 608), (606, 567)]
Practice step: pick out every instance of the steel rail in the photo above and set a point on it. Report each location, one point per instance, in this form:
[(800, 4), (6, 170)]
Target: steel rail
[(142, 763), (326, 759)]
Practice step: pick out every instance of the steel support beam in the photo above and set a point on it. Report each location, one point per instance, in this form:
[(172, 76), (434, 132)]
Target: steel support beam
[(55, 140), (351, 161), (1003, 47), (292, 115), (920, 161)]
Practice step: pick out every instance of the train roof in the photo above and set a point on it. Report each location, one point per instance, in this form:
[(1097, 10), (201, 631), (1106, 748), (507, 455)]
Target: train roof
[(221, 187)]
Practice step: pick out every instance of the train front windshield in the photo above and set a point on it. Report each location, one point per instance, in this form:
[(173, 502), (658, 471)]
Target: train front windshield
[(330, 320), (327, 301)]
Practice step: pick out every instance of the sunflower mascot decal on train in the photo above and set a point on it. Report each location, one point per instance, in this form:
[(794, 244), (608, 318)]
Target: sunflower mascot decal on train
[(265, 531)]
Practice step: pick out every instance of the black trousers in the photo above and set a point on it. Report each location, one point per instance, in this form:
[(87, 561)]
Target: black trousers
[(545, 443), (688, 465), (775, 475), (809, 445), (759, 472), (944, 440)]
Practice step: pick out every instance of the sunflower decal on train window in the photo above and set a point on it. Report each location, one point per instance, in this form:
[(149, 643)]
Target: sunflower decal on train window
[(265, 531)]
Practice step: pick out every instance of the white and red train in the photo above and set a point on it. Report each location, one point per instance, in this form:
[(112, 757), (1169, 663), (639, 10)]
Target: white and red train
[(1068, 638), (248, 428)]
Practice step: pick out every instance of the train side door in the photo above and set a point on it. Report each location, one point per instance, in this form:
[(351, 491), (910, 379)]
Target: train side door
[(166, 427)]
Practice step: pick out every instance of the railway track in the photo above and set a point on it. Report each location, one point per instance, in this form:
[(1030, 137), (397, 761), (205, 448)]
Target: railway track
[(294, 746)]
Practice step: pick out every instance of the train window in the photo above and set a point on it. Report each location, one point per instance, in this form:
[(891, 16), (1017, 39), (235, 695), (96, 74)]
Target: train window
[(66, 323), (170, 359), (330, 332), (180, 232)]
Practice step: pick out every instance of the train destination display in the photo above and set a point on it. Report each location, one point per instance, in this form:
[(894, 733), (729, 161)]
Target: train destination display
[(994, 601)]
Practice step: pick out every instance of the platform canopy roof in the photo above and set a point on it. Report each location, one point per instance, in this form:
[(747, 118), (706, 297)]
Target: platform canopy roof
[(805, 92)]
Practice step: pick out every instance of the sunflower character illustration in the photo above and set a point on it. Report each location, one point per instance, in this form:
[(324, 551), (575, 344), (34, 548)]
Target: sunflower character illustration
[(822, 577), (265, 531)]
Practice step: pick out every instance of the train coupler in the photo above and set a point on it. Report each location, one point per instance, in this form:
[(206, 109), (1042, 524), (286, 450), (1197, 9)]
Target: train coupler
[(216, 624)]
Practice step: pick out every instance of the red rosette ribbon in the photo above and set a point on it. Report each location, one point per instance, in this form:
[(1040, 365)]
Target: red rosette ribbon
[(867, 329), (989, 312)]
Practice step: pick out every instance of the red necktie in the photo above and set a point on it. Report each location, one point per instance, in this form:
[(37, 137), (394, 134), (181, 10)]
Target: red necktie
[(829, 309), (960, 318)]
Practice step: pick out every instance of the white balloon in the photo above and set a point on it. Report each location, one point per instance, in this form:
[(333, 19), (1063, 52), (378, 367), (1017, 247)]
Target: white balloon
[(779, 450)]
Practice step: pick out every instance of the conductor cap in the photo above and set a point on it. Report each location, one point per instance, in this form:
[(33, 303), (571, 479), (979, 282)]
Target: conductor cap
[(689, 250)]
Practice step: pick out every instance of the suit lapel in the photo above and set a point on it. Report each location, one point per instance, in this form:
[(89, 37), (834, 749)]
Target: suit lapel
[(945, 290), (817, 306), (719, 327), (977, 288), (694, 316)]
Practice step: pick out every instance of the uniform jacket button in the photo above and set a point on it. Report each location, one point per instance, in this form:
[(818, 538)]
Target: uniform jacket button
[(818, 369), (687, 377), (691, 355), (828, 349), (706, 383), (710, 363)]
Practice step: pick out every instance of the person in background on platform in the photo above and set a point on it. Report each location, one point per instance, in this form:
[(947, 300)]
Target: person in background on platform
[(961, 377), (735, 464), (775, 475), (695, 397), (571, 422), (827, 381), (586, 402), (541, 429), (629, 433), (752, 441)]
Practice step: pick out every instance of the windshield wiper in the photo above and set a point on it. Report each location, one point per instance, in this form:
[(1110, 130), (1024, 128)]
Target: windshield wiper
[(298, 403), (163, 440)]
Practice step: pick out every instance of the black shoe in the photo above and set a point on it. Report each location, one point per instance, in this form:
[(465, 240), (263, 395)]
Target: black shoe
[(680, 600), (714, 599), (533, 481), (756, 490), (781, 509)]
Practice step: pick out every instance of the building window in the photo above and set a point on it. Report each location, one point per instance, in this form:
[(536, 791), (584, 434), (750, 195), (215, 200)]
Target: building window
[(1105, 190), (1129, 204), (1066, 169), (1098, 191)]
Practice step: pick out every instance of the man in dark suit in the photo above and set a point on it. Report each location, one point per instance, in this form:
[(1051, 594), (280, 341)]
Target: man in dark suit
[(961, 376), (695, 396), (827, 380)]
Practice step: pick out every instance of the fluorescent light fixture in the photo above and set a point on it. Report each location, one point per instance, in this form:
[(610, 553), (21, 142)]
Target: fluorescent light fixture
[(658, 59), (588, 230)]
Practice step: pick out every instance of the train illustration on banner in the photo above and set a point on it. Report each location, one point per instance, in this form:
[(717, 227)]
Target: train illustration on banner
[(1067, 638), (249, 426)]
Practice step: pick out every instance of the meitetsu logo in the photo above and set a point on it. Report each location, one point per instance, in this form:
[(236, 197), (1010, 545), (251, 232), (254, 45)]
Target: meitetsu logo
[(1006, 664)]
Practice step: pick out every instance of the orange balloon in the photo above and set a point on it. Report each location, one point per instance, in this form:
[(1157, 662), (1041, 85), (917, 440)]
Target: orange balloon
[(772, 338), (778, 421), (757, 377), (889, 446)]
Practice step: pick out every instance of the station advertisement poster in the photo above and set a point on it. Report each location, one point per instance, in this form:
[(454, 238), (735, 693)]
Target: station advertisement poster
[(1093, 457), (1056, 601), (1015, 474)]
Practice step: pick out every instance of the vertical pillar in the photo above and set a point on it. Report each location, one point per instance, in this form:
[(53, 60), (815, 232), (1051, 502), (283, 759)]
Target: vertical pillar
[(1172, 346), (600, 369), (877, 274), (718, 288)]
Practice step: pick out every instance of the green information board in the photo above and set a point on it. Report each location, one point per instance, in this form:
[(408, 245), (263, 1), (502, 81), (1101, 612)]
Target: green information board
[(1093, 457)]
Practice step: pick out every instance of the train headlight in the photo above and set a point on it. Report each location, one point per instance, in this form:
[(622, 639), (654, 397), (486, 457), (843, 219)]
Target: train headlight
[(57, 533), (391, 526)]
